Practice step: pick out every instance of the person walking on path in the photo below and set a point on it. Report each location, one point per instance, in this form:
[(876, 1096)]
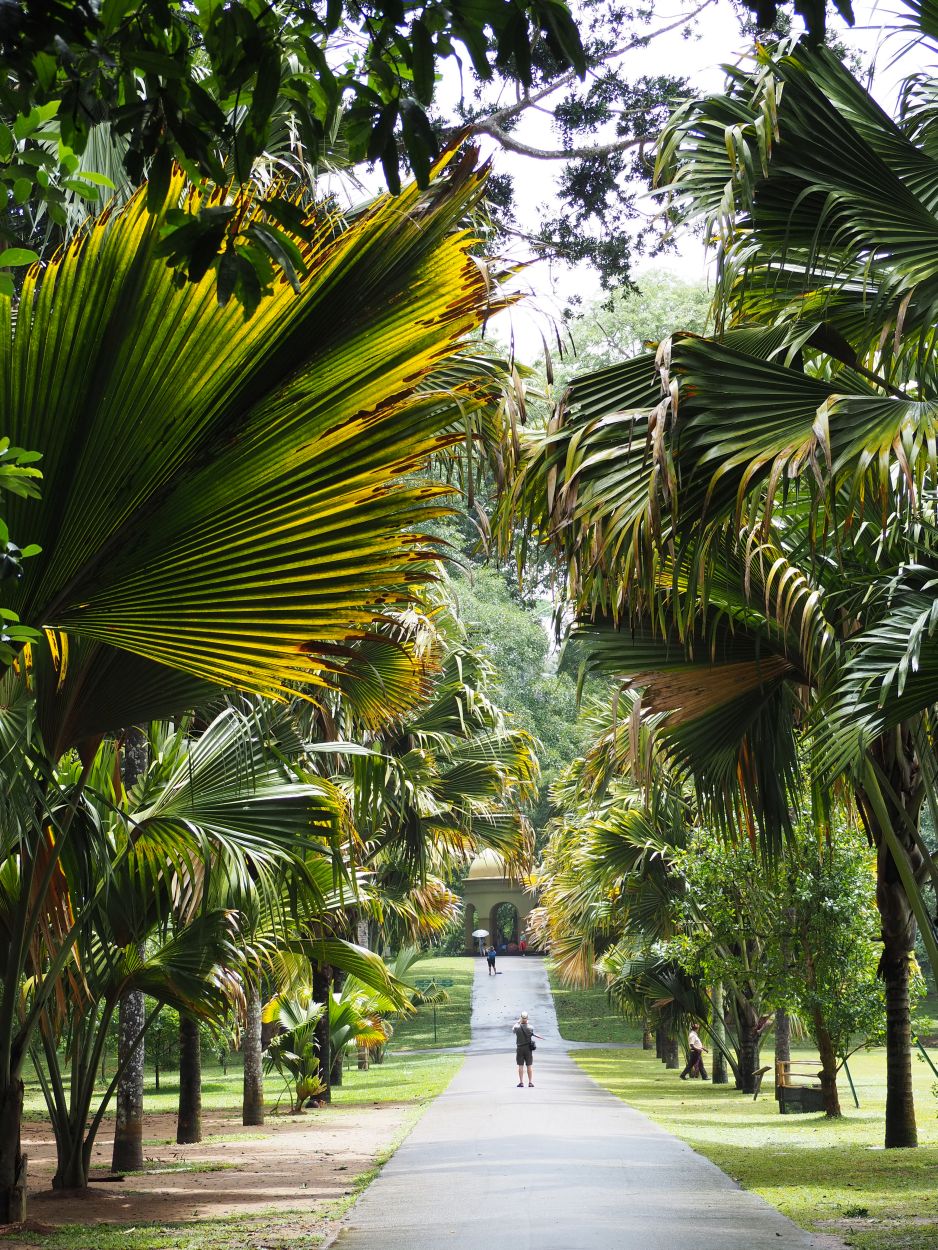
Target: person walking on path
[(523, 944), (490, 956), (695, 1054), (524, 1049)]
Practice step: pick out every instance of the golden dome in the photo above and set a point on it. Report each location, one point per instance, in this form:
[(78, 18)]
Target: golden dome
[(486, 866)]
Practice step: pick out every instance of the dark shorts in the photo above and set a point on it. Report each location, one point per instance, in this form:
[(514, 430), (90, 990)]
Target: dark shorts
[(524, 1055)]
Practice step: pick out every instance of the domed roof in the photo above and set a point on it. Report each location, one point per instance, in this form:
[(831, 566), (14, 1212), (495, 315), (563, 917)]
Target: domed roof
[(486, 865)]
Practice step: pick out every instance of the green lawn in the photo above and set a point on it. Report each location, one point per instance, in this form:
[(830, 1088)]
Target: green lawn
[(452, 1018), (401, 1078), (589, 1016), (828, 1176)]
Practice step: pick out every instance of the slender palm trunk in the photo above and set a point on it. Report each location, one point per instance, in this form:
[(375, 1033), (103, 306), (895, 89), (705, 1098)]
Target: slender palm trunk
[(672, 1057), (750, 1045), (189, 1120), (322, 993), (782, 1037), (718, 1071), (335, 1076), (252, 1109), (895, 757), (901, 1130), (659, 1043), (648, 1041), (127, 1155), (12, 1160)]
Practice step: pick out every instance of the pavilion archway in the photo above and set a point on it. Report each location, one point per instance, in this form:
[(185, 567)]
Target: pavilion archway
[(496, 901)]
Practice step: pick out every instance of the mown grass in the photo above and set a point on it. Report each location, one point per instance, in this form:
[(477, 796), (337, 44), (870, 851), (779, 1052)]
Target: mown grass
[(588, 1015), (827, 1175), (400, 1078), (452, 1018)]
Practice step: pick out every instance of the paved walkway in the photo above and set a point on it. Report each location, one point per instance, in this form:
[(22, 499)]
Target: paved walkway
[(563, 1166)]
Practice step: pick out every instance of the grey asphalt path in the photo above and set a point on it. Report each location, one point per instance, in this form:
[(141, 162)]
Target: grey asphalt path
[(563, 1166)]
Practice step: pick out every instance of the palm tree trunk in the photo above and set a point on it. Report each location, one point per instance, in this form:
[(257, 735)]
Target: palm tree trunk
[(12, 1160), (782, 1037), (189, 1120), (648, 1041), (672, 1057), (335, 1076), (127, 1155), (659, 1043), (322, 993), (252, 1107), (895, 756), (718, 1071), (750, 1044), (901, 1130)]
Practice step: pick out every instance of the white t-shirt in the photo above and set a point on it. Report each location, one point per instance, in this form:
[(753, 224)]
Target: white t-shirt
[(694, 1040)]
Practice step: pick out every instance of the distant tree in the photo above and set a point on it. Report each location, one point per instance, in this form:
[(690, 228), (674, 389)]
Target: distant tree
[(528, 682), (622, 323)]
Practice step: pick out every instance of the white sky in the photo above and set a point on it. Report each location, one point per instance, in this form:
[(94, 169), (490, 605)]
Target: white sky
[(717, 40)]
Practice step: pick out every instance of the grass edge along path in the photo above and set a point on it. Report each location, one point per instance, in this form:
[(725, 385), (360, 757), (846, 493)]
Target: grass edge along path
[(452, 1018), (586, 1015), (252, 1230), (827, 1176)]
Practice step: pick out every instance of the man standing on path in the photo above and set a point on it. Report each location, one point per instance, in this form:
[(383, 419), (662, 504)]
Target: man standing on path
[(490, 957), (524, 1049), (695, 1053)]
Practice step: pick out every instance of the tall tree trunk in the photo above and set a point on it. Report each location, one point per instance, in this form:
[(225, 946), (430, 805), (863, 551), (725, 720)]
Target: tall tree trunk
[(901, 1130), (252, 1107), (189, 1120), (828, 1065), (782, 1037), (895, 755), (12, 1160), (659, 1043), (750, 1044), (72, 1168), (335, 1076), (648, 1041), (718, 1071), (127, 1155), (672, 1057), (322, 993)]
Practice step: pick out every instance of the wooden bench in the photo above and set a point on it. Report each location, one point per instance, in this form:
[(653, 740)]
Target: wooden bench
[(802, 1095)]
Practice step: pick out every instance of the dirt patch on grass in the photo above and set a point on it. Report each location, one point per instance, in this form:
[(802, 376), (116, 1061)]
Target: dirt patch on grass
[(301, 1173)]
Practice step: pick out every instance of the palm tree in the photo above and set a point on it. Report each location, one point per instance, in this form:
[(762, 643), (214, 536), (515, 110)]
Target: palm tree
[(224, 499), (744, 514)]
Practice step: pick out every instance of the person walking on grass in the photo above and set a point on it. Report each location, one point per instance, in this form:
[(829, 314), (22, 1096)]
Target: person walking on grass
[(490, 956), (695, 1054), (524, 1049)]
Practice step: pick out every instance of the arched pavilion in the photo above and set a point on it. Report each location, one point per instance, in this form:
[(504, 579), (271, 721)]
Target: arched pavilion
[(489, 887)]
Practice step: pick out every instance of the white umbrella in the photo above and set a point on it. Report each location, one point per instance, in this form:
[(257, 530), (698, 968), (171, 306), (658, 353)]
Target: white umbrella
[(480, 933)]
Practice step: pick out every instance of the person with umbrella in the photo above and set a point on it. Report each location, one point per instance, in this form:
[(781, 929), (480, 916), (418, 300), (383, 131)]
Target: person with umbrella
[(480, 935)]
